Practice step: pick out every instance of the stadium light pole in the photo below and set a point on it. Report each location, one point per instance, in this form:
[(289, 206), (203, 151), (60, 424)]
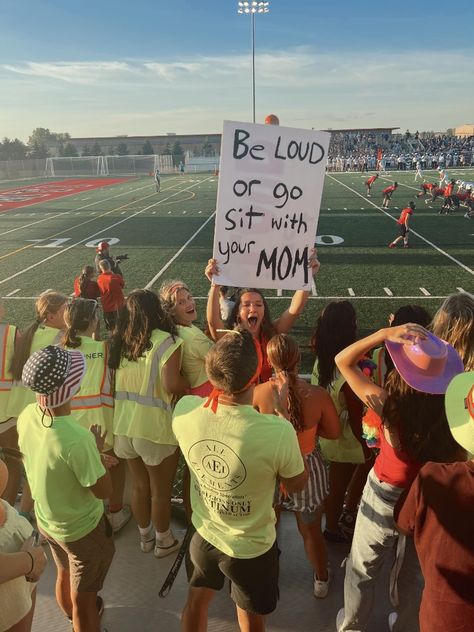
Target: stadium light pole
[(252, 8)]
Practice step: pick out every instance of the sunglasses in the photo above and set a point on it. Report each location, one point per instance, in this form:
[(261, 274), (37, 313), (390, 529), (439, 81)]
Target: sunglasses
[(93, 303)]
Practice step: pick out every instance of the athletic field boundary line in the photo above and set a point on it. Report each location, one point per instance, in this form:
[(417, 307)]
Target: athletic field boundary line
[(176, 255), (87, 221), (125, 219), (70, 228), (414, 232), (62, 196), (74, 210)]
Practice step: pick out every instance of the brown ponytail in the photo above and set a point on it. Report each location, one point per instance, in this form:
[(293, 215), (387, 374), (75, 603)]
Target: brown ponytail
[(47, 303), (284, 355), (77, 316)]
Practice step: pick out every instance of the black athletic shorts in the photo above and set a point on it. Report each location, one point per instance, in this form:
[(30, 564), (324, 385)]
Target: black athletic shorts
[(403, 229), (253, 582)]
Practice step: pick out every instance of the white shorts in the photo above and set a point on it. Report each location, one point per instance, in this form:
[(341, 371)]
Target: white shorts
[(150, 453)]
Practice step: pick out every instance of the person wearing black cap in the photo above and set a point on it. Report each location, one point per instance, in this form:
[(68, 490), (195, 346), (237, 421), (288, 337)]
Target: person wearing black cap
[(68, 480)]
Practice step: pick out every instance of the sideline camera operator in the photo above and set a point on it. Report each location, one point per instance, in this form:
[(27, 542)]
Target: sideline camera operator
[(103, 254)]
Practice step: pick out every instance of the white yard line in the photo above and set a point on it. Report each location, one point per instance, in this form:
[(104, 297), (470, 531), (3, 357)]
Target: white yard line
[(102, 231), (424, 291), (413, 232), (79, 208), (176, 255), (13, 292)]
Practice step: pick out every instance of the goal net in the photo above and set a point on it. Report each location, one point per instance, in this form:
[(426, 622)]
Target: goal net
[(75, 166), (137, 165)]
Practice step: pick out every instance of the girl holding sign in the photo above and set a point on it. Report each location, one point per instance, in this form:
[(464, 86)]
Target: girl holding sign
[(251, 311)]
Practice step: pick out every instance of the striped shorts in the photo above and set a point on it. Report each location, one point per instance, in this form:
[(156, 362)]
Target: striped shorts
[(311, 497)]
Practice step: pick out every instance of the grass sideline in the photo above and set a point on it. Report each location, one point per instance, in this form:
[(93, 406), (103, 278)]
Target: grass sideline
[(353, 235)]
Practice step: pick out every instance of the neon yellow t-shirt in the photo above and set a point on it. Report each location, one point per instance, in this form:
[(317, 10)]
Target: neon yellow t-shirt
[(235, 457), (195, 347), (61, 462)]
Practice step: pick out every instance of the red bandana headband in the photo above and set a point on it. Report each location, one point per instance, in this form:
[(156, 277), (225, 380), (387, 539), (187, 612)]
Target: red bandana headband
[(213, 398)]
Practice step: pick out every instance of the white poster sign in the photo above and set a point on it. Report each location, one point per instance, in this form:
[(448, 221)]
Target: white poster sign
[(269, 195)]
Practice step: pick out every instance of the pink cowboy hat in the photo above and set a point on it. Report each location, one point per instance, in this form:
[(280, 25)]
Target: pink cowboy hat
[(426, 365)]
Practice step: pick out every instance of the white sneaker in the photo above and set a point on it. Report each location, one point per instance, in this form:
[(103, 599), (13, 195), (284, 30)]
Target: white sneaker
[(166, 547), (119, 519), (147, 541), (320, 588), (392, 619), (340, 619)]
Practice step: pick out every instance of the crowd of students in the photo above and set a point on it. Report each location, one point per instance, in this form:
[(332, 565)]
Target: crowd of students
[(360, 151), (379, 443)]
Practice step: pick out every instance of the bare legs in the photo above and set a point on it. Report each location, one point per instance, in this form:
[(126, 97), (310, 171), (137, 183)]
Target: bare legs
[(314, 544), (195, 613), (151, 491)]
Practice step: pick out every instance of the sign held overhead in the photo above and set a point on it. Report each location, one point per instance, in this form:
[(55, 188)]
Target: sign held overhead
[(268, 200)]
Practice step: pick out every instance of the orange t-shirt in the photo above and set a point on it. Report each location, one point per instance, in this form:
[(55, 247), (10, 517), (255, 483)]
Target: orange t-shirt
[(404, 215), (111, 294), (371, 180), (448, 190)]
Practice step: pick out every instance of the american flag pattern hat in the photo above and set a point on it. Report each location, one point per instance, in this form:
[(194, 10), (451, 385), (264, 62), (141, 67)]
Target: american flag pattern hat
[(54, 374)]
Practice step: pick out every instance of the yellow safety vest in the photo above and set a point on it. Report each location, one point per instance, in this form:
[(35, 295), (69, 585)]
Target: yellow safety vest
[(142, 407), (7, 347), (94, 402), (346, 449), (20, 396)]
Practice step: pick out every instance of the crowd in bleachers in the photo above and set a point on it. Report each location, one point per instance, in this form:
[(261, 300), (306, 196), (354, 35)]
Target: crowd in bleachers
[(375, 451), (359, 151)]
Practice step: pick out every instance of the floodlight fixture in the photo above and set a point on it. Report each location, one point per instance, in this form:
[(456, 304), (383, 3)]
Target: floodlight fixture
[(251, 8)]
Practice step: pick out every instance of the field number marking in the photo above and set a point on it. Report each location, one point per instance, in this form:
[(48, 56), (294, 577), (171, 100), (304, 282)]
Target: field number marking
[(95, 242), (53, 243)]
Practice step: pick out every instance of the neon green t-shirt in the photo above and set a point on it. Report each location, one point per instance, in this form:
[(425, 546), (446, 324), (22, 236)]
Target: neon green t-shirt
[(195, 347), (61, 462), (235, 456)]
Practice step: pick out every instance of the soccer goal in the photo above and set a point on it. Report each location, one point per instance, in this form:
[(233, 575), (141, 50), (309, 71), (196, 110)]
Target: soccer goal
[(137, 165), (75, 166)]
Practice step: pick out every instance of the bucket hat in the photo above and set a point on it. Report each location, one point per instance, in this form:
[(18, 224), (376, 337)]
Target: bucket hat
[(459, 404), (54, 374), (426, 365)]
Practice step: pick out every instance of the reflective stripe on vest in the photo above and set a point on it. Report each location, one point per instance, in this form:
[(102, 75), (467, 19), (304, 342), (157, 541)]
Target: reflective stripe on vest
[(95, 400), (7, 341), (148, 399)]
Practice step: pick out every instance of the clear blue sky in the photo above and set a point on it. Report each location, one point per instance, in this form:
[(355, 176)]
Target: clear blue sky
[(105, 68)]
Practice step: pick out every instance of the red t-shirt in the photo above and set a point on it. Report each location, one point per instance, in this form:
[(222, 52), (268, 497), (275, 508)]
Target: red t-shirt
[(111, 294), (428, 186), (371, 180), (91, 289), (404, 214), (390, 189), (438, 510)]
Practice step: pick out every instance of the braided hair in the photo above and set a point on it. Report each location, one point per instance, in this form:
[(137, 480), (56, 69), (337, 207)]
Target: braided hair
[(284, 355)]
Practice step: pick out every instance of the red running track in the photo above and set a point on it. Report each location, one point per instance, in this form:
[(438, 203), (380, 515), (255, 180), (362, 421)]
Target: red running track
[(37, 193)]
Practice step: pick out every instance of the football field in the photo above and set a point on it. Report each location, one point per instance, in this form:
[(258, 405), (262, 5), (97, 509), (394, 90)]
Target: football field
[(47, 235)]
